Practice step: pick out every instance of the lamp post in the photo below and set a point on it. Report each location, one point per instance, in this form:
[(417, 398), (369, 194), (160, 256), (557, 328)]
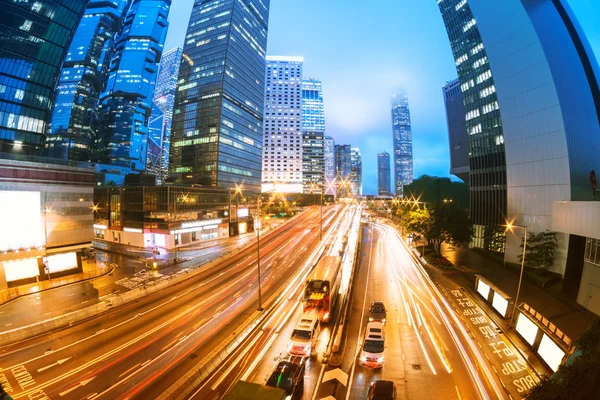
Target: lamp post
[(509, 226)]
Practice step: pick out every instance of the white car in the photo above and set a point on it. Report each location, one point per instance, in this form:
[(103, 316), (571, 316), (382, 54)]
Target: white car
[(305, 336), (371, 354)]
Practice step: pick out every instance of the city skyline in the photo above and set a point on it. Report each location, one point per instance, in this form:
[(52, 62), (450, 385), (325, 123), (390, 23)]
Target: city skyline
[(370, 130)]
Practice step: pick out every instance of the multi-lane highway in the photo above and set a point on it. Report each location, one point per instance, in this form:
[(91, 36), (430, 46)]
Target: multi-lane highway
[(140, 349)]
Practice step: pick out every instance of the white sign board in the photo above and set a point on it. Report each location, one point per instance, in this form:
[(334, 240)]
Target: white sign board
[(527, 329), (483, 289), (550, 352), (500, 304)]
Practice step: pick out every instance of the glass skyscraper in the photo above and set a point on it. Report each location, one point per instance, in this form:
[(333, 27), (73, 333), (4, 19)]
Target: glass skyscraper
[(343, 158), (34, 38), (126, 104), (162, 113), (403, 154), (458, 138), (83, 76), (356, 172), (330, 165), (217, 130), (487, 174), (383, 174), (313, 134)]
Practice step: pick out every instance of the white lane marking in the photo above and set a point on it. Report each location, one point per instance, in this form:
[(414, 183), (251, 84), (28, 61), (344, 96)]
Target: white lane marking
[(83, 302), (100, 331), (8, 324), (80, 384), (458, 393), (91, 395), (52, 365), (71, 294), (122, 375), (146, 362)]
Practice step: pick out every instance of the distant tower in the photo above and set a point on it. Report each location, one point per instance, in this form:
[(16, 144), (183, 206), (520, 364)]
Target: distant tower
[(330, 166), (217, 133), (343, 158), (383, 174), (126, 104), (356, 172), (162, 114), (313, 135), (403, 153), (282, 149)]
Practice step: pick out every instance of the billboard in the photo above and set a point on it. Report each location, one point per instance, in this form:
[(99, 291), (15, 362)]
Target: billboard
[(22, 220), (500, 304), (483, 289), (550, 352), (61, 262), (527, 329)]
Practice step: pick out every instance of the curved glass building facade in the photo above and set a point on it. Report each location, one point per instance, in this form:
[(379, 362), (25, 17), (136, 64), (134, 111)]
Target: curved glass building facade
[(544, 80), (34, 37), (72, 131), (126, 104)]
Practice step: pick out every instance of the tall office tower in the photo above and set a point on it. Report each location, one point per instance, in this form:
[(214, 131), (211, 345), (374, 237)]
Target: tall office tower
[(356, 172), (35, 39), (403, 154), (126, 104), (282, 150), (529, 62), (458, 138), (161, 118), (330, 166), (343, 158), (217, 132), (383, 174), (313, 135), (74, 117)]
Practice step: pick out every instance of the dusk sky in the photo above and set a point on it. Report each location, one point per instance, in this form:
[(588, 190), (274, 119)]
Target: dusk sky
[(362, 54)]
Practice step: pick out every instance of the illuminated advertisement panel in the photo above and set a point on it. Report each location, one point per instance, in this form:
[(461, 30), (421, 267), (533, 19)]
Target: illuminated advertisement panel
[(527, 329), (500, 304), (61, 262), (550, 352), (21, 269), (242, 213), (22, 223), (483, 289)]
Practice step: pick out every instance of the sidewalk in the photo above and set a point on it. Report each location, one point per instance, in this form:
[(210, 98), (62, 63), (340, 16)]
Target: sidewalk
[(568, 316)]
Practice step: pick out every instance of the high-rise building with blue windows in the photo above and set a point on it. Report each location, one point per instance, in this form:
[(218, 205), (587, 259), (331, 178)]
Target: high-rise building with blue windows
[(83, 76), (34, 38), (313, 135), (162, 114), (217, 133), (126, 104), (403, 152), (356, 172), (343, 159), (383, 174), (330, 165), (458, 138)]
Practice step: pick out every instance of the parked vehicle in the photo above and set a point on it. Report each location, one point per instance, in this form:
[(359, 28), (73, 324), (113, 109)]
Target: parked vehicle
[(382, 390), (289, 376), (305, 336), (371, 354), (377, 311)]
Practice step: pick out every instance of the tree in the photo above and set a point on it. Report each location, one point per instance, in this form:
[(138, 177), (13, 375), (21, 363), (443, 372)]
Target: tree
[(579, 377), (419, 221), (541, 249)]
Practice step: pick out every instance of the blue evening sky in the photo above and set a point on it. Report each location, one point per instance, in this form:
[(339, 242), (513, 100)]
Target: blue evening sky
[(363, 54)]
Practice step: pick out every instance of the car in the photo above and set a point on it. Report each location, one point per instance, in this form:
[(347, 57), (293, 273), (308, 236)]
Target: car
[(371, 354), (377, 311), (382, 390), (305, 336), (289, 376)]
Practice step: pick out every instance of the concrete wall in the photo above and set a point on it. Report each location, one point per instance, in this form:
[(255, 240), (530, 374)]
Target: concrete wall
[(589, 290), (580, 218)]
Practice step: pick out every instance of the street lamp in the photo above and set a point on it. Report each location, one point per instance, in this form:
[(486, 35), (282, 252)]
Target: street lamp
[(509, 227)]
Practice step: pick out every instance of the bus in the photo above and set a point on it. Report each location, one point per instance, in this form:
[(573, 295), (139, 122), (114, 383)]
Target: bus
[(322, 287)]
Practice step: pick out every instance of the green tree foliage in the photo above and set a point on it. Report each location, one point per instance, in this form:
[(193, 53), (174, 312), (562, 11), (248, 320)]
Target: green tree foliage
[(541, 249), (447, 222), (579, 377), (433, 190)]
